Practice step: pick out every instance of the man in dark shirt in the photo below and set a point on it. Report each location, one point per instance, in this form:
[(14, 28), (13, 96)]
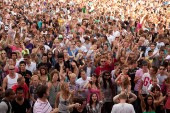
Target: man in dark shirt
[(20, 104), (44, 62), (61, 62), (24, 72), (82, 108)]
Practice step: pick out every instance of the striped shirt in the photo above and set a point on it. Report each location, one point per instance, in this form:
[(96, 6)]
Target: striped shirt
[(42, 107)]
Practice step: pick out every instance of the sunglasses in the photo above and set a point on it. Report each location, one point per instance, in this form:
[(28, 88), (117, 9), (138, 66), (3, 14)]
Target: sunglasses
[(107, 75), (103, 61), (11, 69), (3, 53)]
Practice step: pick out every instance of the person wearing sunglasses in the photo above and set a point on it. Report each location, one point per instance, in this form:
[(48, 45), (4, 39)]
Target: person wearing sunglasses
[(108, 91), (11, 79)]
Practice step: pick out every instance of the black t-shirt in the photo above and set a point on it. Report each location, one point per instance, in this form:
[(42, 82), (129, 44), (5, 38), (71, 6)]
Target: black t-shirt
[(24, 74), (75, 111), (21, 108)]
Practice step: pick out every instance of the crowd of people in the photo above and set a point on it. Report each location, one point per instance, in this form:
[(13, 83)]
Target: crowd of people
[(84, 56)]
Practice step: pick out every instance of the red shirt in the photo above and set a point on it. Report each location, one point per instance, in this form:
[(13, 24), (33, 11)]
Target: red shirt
[(25, 87), (100, 69)]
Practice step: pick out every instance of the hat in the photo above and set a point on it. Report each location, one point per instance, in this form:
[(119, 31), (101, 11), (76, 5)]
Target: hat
[(27, 39), (60, 36)]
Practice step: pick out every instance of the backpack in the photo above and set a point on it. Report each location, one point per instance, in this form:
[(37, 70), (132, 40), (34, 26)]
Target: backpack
[(7, 103)]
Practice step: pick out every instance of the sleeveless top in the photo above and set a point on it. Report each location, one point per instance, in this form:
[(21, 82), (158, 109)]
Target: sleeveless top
[(63, 104), (11, 82), (53, 92)]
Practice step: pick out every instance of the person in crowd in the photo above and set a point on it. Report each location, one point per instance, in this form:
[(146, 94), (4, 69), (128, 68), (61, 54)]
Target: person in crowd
[(11, 79), (5, 104), (154, 83), (108, 91), (21, 104), (82, 83), (158, 99), (93, 86), (123, 80), (103, 67), (31, 66), (35, 82), (131, 97), (162, 75), (122, 106), (89, 68), (72, 84), (45, 62), (21, 83), (44, 75), (43, 93), (54, 87), (147, 104), (64, 98), (94, 105), (24, 72), (146, 80), (82, 108)]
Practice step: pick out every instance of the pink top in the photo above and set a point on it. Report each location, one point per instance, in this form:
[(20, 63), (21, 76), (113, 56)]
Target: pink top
[(139, 26), (138, 73), (14, 48)]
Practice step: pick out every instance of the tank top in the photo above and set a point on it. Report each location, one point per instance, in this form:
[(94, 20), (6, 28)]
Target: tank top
[(53, 92), (63, 105), (11, 82)]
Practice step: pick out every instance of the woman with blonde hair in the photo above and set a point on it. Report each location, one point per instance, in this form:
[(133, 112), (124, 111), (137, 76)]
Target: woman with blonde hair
[(64, 99)]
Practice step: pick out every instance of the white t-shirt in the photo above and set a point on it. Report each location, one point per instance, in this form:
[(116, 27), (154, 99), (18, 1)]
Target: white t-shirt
[(82, 48), (146, 78), (82, 82), (160, 44), (161, 78), (31, 67), (111, 38), (123, 108)]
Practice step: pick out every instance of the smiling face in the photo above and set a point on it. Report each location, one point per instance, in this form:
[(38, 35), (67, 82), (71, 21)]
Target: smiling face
[(94, 97)]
